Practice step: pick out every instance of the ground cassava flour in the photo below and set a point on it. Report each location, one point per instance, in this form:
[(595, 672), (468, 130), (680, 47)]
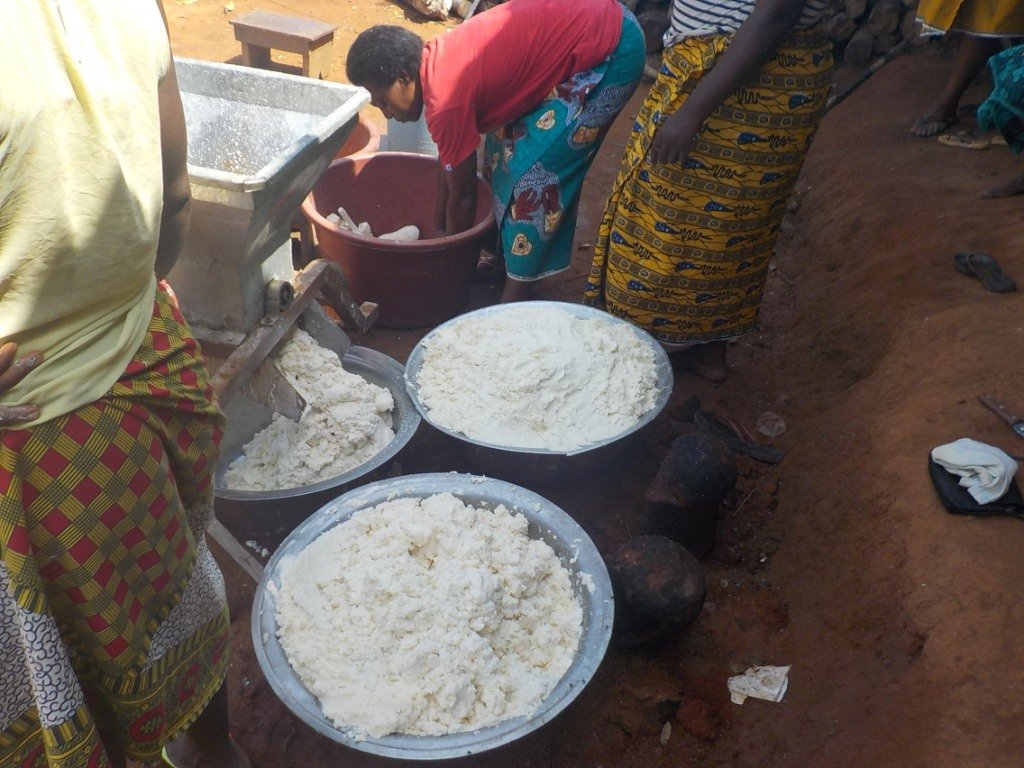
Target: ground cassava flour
[(428, 617), (347, 421), (537, 377)]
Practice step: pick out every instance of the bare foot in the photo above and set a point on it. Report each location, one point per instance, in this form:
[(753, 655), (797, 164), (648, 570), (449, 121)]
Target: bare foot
[(933, 124), (706, 360), (1011, 188)]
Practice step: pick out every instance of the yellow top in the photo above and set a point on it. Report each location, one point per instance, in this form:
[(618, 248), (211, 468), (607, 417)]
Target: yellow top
[(986, 18), (81, 190)]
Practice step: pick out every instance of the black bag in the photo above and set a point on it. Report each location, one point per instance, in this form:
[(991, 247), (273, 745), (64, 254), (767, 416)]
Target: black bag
[(958, 501)]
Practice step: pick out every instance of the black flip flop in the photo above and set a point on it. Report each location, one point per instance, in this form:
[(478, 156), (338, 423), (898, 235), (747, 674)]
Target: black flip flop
[(986, 269), (957, 500)]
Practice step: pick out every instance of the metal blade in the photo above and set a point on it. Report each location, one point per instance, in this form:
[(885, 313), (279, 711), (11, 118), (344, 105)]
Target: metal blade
[(269, 387)]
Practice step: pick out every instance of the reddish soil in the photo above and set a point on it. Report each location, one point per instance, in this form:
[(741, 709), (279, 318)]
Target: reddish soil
[(901, 621)]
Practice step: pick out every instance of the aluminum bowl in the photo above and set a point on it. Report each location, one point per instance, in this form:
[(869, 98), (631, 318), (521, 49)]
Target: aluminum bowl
[(577, 553), (530, 466), (275, 513)]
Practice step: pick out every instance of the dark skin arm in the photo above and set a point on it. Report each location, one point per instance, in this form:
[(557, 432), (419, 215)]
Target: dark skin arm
[(174, 151), (752, 45), (441, 209), (458, 186)]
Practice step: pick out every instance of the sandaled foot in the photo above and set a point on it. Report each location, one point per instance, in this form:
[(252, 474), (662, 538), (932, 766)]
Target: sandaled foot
[(932, 125), (986, 269), (1010, 189), (705, 360)]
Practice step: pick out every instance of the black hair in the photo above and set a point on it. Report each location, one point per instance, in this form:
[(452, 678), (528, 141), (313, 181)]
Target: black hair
[(381, 53)]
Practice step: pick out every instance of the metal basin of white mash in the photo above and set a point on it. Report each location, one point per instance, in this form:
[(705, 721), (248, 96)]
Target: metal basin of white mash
[(574, 550), (536, 465), (274, 513)]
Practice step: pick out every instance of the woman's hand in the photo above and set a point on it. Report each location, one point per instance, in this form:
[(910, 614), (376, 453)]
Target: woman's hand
[(11, 372), (752, 45), (674, 138)]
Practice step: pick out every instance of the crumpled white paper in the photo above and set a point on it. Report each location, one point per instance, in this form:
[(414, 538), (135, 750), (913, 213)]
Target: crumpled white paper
[(767, 683)]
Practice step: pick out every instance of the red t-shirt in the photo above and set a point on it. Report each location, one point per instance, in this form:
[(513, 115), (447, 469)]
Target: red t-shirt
[(498, 66)]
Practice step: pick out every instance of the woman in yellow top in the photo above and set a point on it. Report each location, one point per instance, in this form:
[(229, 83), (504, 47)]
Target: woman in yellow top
[(113, 619)]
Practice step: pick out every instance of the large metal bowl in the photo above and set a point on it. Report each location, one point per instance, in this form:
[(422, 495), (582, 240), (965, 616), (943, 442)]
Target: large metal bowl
[(275, 513), (588, 576), (530, 466)]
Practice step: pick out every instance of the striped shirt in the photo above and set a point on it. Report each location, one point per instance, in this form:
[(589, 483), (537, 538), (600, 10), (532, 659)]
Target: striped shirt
[(691, 18)]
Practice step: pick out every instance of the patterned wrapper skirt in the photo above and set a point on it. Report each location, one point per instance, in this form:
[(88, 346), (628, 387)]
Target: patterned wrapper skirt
[(113, 618), (683, 249), (536, 164), (986, 18), (1003, 110)]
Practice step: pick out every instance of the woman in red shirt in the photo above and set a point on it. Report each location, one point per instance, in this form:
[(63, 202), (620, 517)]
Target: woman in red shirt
[(543, 79)]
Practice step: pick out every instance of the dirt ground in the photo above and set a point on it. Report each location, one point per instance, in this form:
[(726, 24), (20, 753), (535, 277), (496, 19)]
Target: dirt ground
[(901, 621)]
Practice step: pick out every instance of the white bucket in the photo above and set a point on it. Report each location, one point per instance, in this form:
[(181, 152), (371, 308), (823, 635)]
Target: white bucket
[(409, 137)]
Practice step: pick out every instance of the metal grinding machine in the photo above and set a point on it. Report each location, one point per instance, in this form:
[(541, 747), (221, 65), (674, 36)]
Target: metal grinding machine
[(257, 142)]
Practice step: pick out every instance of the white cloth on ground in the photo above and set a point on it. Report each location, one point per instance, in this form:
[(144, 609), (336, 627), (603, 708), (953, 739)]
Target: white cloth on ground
[(984, 470)]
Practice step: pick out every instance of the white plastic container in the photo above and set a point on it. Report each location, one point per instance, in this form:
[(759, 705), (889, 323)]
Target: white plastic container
[(409, 137)]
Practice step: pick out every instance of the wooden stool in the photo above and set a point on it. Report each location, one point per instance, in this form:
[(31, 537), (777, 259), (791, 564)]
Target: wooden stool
[(259, 31)]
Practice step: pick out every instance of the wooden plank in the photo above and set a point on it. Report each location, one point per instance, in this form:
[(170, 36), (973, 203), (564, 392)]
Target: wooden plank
[(276, 30), (855, 8), (317, 61), (234, 549), (884, 18), (255, 56), (269, 386), (840, 27), (884, 43), (860, 47), (319, 277)]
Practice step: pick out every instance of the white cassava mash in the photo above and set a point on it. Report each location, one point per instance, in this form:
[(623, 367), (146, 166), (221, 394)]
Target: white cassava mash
[(428, 617), (347, 421), (537, 377)]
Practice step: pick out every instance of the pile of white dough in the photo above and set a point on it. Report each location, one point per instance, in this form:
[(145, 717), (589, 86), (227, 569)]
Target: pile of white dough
[(428, 617), (537, 377), (347, 421)]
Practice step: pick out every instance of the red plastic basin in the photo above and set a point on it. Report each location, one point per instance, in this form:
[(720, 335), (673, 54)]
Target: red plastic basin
[(365, 138), (414, 284)]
